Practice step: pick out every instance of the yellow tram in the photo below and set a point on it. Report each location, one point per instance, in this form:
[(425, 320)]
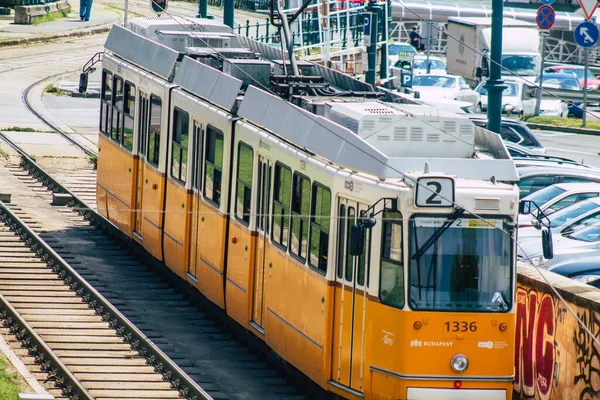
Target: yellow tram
[(341, 230)]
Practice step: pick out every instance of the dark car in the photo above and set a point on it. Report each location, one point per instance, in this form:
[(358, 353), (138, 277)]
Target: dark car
[(537, 175), (585, 270), (593, 83), (569, 81), (513, 131)]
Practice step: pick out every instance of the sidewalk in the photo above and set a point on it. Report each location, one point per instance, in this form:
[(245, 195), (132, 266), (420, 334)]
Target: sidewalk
[(104, 14)]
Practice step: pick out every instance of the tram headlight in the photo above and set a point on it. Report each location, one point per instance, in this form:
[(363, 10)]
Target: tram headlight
[(459, 363)]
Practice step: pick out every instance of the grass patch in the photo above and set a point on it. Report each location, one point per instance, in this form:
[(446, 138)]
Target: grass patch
[(49, 17), (51, 89), (557, 121), (19, 129), (10, 383)]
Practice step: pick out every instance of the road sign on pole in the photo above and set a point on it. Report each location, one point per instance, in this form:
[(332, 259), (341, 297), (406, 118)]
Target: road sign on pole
[(588, 7), (547, 2), (367, 28), (586, 34), (545, 17)]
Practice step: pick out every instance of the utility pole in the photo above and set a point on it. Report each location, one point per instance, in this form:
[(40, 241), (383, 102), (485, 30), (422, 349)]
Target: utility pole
[(125, 19), (387, 16), (538, 101), (371, 43), (228, 6), (494, 84), (202, 9)]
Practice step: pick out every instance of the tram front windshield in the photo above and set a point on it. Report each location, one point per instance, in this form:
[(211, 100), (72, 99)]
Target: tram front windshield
[(464, 265)]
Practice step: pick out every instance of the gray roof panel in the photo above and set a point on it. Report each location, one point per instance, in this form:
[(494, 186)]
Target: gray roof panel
[(208, 83), (137, 49)]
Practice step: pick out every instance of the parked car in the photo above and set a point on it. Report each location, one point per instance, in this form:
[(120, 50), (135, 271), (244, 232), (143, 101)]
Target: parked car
[(582, 269), (436, 65), (446, 87), (395, 49), (556, 107), (534, 177), (556, 197), (518, 97), (582, 243), (579, 71), (513, 131), (569, 219)]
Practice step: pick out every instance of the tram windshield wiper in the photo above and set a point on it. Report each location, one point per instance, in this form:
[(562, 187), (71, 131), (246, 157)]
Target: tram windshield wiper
[(438, 233)]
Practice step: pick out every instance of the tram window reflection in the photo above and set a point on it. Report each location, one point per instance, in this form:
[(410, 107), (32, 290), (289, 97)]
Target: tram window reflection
[(391, 287), (465, 269)]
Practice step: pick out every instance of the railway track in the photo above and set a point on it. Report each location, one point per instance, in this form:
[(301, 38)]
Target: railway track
[(201, 340)]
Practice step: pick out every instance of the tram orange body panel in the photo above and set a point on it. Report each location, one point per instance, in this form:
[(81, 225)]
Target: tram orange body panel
[(240, 265), (153, 213), (176, 217), (296, 328), (115, 194), (211, 254)]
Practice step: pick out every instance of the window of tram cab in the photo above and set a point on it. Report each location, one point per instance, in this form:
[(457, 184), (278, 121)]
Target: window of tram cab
[(106, 106), (128, 110), (213, 165), (244, 183), (154, 132), (117, 115), (391, 285), (179, 155), (300, 213), (319, 227), (281, 205)]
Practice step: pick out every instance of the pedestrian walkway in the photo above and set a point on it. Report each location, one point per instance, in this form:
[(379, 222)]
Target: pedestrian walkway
[(104, 14)]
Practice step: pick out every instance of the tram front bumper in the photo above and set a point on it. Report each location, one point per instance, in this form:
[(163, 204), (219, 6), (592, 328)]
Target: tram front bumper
[(455, 394)]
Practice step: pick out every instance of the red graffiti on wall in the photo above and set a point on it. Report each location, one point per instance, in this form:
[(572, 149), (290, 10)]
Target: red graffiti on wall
[(534, 344)]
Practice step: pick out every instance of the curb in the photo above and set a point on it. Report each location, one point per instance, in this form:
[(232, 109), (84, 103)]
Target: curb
[(554, 128), (89, 32)]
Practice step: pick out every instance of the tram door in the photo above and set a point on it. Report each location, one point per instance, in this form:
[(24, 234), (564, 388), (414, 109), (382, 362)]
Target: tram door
[(142, 146), (195, 217), (350, 302), (265, 167)]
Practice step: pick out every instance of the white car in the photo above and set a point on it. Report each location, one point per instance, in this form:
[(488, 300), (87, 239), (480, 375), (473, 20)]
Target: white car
[(436, 65), (517, 97), (395, 49), (446, 87), (557, 197), (582, 243), (554, 108)]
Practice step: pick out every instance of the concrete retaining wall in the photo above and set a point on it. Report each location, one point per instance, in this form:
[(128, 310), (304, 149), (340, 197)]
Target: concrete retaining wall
[(554, 357), (27, 15)]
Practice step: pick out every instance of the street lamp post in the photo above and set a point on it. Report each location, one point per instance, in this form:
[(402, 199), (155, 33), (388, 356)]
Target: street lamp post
[(494, 84)]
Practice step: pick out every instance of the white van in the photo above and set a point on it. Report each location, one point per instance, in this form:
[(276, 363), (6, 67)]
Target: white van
[(518, 97)]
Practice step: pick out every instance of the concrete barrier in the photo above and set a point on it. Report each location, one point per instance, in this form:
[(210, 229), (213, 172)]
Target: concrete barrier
[(27, 15), (555, 358)]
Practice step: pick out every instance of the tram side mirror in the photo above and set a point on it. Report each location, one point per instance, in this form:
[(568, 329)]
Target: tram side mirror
[(357, 240), (83, 82), (547, 248)]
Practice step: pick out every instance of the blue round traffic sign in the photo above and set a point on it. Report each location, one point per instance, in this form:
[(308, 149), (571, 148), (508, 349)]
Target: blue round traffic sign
[(586, 34), (545, 17), (547, 2)]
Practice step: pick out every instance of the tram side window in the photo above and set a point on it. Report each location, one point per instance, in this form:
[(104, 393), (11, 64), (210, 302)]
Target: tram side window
[(391, 285), (154, 132), (117, 115), (213, 166), (319, 227), (281, 205), (143, 124), (106, 106), (300, 213), (244, 183), (128, 110), (179, 156)]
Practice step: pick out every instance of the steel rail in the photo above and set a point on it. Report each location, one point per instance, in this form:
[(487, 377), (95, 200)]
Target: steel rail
[(130, 333), (92, 155)]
